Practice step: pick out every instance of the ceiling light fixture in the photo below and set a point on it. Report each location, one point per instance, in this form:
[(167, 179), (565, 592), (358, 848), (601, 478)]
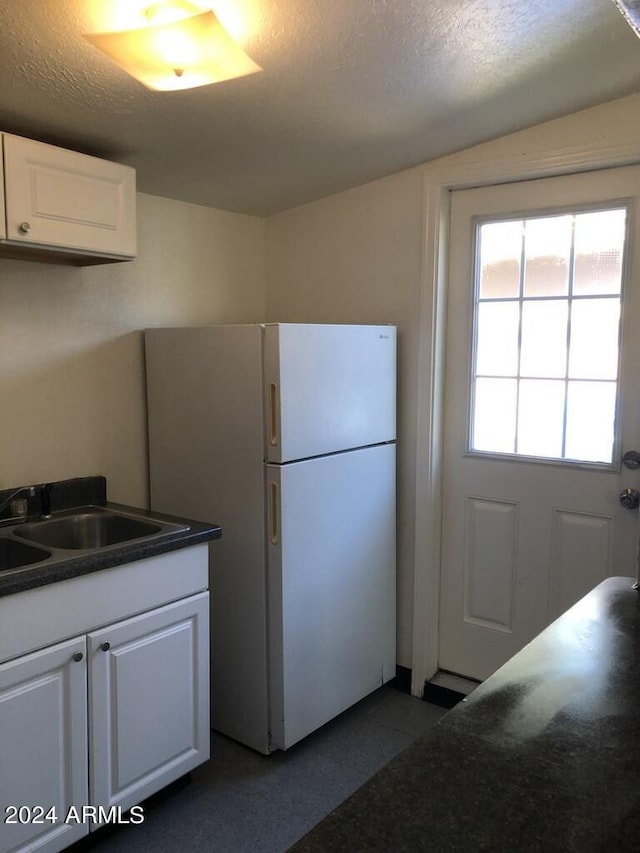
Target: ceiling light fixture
[(181, 48), (631, 11)]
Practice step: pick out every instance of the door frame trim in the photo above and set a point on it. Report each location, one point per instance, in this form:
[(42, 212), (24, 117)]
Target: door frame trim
[(439, 178)]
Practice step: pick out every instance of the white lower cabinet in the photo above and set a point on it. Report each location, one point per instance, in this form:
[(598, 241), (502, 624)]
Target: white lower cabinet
[(102, 720), (43, 756), (149, 710)]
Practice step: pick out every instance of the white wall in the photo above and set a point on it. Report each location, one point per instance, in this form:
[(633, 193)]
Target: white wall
[(71, 352), (359, 256)]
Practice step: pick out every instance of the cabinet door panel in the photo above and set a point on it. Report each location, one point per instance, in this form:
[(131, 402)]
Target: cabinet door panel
[(68, 200), (43, 745), (149, 680)]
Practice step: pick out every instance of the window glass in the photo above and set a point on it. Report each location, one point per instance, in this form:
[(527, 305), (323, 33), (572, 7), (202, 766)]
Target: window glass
[(495, 415), (547, 317), (599, 246), (594, 339), (590, 420), (498, 326), (500, 256), (547, 256), (544, 322), (540, 436)]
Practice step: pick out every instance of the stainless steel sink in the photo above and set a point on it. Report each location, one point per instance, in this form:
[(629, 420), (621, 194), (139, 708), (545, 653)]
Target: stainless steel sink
[(14, 554), (91, 528)]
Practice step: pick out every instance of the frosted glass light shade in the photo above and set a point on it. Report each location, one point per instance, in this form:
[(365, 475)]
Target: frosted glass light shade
[(183, 54), (631, 11)]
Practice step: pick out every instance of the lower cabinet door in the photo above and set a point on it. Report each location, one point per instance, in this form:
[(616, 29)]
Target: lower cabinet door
[(149, 714), (43, 749)]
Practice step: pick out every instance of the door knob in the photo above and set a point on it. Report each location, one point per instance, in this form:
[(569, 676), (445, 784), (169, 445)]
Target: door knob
[(24, 227), (631, 459), (630, 498)]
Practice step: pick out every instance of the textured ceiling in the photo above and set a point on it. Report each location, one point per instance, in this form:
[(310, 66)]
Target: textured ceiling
[(351, 89)]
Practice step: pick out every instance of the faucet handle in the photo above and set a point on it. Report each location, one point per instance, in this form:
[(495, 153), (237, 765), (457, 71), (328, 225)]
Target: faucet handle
[(19, 508)]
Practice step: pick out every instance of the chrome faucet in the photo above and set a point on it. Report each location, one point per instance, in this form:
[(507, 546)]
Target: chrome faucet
[(16, 514)]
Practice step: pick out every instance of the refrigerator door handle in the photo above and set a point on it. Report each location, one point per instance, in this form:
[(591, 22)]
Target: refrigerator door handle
[(273, 413), (274, 514)]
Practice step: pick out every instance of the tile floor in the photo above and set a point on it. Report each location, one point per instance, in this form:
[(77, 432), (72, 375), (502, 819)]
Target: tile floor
[(243, 802)]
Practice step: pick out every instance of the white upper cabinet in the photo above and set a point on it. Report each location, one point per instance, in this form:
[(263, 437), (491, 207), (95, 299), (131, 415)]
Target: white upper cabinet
[(62, 205)]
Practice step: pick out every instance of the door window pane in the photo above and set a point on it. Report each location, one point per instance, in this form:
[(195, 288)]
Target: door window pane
[(590, 421), (540, 436), (494, 425), (544, 338), (599, 246), (497, 352), (500, 254), (594, 339), (547, 244), (545, 369)]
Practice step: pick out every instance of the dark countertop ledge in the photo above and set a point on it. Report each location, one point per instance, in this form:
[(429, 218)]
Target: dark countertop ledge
[(543, 756), (41, 574)]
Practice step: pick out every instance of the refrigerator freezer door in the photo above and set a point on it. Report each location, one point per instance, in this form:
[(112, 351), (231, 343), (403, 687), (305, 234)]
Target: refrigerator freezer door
[(328, 388), (331, 558)]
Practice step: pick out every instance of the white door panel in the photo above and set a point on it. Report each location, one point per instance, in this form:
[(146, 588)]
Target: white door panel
[(331, 585), (523, 539), (328, 388)]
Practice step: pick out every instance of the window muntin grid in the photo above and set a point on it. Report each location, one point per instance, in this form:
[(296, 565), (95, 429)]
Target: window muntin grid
[(546, 335)]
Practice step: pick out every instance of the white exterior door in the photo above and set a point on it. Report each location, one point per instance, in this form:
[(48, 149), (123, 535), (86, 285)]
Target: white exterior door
[(541, 404)]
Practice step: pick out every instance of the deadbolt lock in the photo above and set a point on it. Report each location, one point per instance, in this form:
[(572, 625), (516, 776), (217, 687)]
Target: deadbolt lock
[(631, 459)]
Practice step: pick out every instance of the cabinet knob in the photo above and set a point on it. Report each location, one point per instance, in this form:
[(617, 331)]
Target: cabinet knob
[(78, 657), (24, 227), (105, 646)]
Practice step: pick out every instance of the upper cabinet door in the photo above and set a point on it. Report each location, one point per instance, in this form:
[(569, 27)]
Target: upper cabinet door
[(68, 201)]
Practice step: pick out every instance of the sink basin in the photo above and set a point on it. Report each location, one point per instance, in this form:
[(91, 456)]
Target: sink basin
[(91, 528), (14, 554)]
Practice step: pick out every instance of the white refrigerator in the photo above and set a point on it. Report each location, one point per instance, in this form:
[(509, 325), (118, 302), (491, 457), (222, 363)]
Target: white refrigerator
[(284, 434)]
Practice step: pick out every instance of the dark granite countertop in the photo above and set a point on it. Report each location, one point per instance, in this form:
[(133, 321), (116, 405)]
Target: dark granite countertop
[(543, 756), (67, 564)]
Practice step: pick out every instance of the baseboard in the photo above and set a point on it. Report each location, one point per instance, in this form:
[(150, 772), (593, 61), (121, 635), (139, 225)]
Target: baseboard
[(402, 681)]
